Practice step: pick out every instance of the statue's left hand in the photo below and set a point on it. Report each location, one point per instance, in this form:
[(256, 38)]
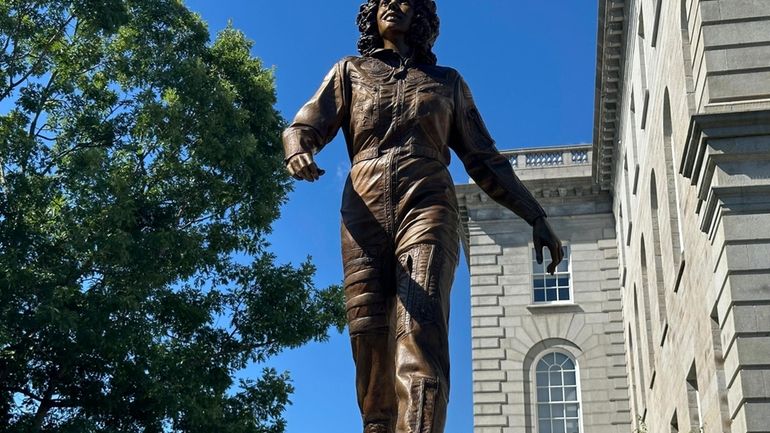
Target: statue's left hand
[(544, 236)]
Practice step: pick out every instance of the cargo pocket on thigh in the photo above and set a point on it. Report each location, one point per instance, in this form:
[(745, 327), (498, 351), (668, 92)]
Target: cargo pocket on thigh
[(418, 287), (424, 393)]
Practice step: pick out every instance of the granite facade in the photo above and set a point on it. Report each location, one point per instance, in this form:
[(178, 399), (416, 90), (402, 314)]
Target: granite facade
[(668, 222)]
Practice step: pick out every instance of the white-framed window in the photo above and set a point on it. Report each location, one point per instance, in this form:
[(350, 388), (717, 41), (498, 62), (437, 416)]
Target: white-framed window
[(556, 288), (557, 388)]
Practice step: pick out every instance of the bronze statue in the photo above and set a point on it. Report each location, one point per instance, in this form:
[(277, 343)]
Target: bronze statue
[(400, 114)]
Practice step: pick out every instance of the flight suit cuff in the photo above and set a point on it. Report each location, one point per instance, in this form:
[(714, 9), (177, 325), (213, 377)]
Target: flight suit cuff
[(296, 141)]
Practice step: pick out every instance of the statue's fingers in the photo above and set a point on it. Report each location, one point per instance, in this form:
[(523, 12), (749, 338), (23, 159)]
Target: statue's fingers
[(313, 171), (293, 168), (538, 250), (556, 256), (306, 174), (301, 173), (552, 267)]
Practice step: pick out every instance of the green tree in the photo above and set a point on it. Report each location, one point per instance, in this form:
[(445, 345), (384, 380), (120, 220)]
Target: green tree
[(140, 170)]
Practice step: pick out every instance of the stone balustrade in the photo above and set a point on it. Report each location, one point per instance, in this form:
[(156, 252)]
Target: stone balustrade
[(547, 157)]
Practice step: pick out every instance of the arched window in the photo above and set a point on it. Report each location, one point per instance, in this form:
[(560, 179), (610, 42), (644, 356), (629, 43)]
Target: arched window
[(660, 285), (647, 296), (640, 44), (642, 377), (669, 154), (558, 394), (642, 70)]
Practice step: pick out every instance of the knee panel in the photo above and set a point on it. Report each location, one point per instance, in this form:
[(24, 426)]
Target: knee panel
[(366, 303)]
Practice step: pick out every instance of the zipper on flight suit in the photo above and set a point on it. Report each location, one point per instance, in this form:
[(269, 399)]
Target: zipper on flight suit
[(398, 110)]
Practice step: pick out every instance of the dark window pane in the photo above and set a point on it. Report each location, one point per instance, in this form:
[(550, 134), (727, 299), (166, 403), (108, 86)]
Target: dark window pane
[(558, 426), (560, 358), (557, 411), (564, 294), (545, 427), (569, 378), (556, 394), (542, 379), (569, 365), (551, 295), (542, 366), (550, 282), (544, 411), (572, 426), (570, 394), (538, 282), (542, 395), (555, 378), (564, 282), (539, 295)]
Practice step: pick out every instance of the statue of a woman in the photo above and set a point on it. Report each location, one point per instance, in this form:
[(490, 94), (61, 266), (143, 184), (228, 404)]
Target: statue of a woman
[(400, 114)]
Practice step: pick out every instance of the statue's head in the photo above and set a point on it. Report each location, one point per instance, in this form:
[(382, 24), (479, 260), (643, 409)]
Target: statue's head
[(422, 21)]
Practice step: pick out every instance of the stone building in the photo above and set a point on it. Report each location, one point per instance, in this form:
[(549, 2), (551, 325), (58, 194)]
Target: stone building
[(548, 351), (665, 324)]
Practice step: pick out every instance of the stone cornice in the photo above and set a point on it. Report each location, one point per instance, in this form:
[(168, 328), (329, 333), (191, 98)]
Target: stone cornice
[(609, 76), (721, 156), (718, 125), (471, 194)]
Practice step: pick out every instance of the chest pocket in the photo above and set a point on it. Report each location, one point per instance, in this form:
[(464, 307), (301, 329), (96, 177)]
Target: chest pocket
[(365, 107), (432, 99)]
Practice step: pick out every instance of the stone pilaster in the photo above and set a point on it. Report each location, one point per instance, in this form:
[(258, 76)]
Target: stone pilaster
[(727, 159)]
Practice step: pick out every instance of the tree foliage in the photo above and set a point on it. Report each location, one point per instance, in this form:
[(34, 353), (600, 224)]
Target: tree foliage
[(140, 170)]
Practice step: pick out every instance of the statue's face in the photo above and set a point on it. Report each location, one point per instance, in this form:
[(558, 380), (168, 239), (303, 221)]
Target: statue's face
[(394, 17)]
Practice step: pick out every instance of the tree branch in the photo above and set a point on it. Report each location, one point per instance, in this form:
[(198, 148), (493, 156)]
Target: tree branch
[(42, 410), (64, 153), (7, 43), (44, 137), (11, 84), (41, 104)]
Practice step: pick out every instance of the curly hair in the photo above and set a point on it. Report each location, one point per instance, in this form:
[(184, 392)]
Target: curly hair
[(422, 33)]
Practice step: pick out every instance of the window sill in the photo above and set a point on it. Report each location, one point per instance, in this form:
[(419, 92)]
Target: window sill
[(554, 308)]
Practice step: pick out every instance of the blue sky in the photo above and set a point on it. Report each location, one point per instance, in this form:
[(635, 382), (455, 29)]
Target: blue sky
[(530, 65)]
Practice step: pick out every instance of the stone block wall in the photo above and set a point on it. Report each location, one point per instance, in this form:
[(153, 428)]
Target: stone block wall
[(690, 163)]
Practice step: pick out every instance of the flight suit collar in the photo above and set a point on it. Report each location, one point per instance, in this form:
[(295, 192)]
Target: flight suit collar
[(393, 58)]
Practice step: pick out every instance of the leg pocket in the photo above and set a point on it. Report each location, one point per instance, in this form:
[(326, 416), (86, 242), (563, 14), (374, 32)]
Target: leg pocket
[(424, 279), (428, 406)]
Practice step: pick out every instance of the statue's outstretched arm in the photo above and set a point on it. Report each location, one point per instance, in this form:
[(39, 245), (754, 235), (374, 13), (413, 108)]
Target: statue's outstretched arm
[(493, 173)]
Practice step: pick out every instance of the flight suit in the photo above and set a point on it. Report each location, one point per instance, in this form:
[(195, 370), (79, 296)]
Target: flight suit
[(400, 222)]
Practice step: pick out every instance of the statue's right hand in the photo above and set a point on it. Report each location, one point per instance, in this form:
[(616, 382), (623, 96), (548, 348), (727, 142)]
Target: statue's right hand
[(302, 167)]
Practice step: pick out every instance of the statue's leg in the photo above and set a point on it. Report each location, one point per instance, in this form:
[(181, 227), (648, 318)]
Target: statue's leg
[(369, 301), (424, 277)]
